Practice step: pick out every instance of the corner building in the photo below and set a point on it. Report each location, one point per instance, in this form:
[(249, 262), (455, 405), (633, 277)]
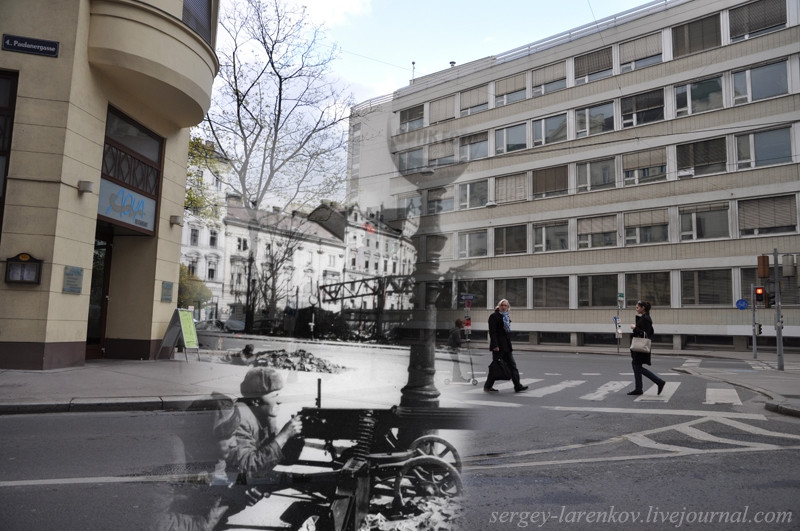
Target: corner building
[(96, 98), (650, 155)]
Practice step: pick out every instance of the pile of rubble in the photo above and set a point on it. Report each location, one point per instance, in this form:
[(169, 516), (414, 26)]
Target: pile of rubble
[(419, 514), (299, 360)]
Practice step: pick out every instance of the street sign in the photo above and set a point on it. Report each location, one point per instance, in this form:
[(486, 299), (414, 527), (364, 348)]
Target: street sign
[(466, 296), (742, 304), (468, 303), (16, 43)]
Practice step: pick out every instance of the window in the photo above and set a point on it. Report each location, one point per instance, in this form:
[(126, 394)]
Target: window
[(132, 154), (696, 36), (474, 147), (241, 244), (593, 120), (702, 158), (412, 119), (551, 292), (197, 15), (510, 139), (410, 160), (760, 83), (511, 240), (472, 244), (639, 53), (600, 231), (643, 108), (549, 79), (700, 96), (647, 226), (790, 294), (549, 130), (763, 148), (212, 239), (474, 100), (476, 288), (704, 221), (192, 266), (706, 287), (439, 295), (509, 90), (473, 195), (440, 200), (513, 289), (443, 109), (194, 237), (8, 96), (442, 153), (410, 205), (757, 18), (594, 66), (438, 247), (551, 237), (644, 166), (550, 181), (596, 175), (597, 290), (212, 271), (510, 188), (653, 287), (768, 215)]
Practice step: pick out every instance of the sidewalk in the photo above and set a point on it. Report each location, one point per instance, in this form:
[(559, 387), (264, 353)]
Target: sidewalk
[(127, 385)]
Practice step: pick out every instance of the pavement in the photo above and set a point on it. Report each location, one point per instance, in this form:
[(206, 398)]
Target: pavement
[(186, 381)]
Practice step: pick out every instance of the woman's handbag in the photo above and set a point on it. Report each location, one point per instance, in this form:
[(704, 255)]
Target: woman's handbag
[(640, 344)]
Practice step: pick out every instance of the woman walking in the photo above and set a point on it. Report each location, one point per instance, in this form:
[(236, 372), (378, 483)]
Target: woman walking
[(643, 328), (500, 345)]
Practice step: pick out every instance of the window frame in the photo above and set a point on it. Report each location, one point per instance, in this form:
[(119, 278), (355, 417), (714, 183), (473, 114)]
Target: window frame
[(469, 239), (586, 167), (501, 240), (501, 140), (404, 158), (747, 78), (466, 151), (542, 130), (699, 287), (634, 116), (585, 114), (689, 235), (752, 161), (414, 122), (694, 86), (541, 232), (466, 191)]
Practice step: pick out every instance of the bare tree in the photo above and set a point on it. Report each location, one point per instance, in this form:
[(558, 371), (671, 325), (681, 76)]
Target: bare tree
[(276, 115)]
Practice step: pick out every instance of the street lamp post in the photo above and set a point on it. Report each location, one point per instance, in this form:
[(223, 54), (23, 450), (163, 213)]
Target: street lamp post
[(248, 310)]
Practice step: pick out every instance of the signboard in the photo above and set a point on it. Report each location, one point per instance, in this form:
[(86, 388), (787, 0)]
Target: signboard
[(742, 304), (166, 291), (180, 330), (15, 43), (126, 207), (73, 280), (467, 297)]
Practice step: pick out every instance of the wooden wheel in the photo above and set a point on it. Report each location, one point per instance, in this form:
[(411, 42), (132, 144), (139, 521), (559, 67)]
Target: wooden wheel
[(437, 447), (426, 476)]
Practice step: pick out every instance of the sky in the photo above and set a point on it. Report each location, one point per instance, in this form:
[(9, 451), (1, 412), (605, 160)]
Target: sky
[(379, 39)]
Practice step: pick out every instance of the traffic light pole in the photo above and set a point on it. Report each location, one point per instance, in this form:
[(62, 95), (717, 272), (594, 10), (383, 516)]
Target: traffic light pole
[(755, 337), (778, 315)]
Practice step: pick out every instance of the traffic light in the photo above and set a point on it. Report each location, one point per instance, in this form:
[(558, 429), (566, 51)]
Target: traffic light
[(758, 329), (759, 293)]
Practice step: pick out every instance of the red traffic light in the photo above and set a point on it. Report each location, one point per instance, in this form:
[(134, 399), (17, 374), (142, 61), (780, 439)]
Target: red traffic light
[(760, 293)]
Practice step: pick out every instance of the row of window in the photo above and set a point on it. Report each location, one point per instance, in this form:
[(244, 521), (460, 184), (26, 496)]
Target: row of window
[(194, 238), (724, 219), (749, 20), (708, 94), (747, 150), (701, 287)]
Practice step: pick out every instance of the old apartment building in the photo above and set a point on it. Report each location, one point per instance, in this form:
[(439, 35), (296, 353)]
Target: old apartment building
[(650, 155)]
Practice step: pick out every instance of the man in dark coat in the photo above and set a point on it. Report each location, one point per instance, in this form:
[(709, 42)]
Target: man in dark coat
[(500, 346)]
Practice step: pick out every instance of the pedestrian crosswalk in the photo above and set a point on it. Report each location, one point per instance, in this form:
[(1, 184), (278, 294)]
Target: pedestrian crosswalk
[(591, 389)]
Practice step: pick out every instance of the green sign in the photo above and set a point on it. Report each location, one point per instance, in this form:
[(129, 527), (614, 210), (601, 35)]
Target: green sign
[(188, 330)]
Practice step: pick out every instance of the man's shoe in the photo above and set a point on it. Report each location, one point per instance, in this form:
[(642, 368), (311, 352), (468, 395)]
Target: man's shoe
[(520, 388), (661, 386), (490, 390), (636, 392)]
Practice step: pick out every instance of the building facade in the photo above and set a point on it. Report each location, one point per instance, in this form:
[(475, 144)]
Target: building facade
[(650, 155), (95, 107)]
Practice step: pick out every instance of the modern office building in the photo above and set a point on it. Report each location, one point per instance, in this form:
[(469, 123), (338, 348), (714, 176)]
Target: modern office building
[(96, 98), (650, 155)]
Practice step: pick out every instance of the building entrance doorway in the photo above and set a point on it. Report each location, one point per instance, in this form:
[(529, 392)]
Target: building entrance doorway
[(98, 296)]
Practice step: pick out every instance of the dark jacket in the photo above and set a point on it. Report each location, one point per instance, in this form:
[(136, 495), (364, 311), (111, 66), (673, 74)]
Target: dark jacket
[(454, 339), (498, 337), (643, 328)]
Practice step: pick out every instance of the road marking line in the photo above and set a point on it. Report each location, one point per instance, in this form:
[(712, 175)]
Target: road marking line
[(722, 396), (704, 436), (550, 389), (591, 374), (680, 412), (651, 394), (491, 404), (604, 390), (753, 429), (107, 479)]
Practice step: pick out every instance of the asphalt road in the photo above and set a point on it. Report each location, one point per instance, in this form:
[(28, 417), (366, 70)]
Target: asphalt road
[(576, 452)]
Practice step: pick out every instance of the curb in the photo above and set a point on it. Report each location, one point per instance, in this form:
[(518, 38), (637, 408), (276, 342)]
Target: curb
[(782, 407)]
